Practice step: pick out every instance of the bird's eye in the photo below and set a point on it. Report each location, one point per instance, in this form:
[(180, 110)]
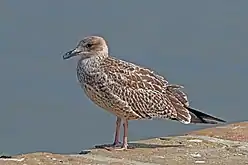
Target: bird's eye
[(89, 45)]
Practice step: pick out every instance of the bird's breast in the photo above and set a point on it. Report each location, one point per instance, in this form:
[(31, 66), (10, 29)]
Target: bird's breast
[(84, 76), (89, 73), (86, 70)]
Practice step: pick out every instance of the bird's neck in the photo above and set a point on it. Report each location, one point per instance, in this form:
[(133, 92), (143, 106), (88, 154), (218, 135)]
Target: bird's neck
[(92, 63), (88, 68), (94, 55), (101, 55)]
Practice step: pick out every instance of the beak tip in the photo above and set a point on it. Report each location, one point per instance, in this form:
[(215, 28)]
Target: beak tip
[(67, 55), (64, 57), (70, 54)]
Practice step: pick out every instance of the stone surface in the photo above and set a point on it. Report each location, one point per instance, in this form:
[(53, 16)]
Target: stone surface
[(235, 131), (223, 145)]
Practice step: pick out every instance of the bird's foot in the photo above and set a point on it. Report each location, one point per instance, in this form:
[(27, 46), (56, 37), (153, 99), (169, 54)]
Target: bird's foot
[(117, 148), (114, 145)]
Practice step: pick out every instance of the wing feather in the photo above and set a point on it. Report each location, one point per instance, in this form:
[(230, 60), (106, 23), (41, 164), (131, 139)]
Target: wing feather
[(133, 76), (147, 93)]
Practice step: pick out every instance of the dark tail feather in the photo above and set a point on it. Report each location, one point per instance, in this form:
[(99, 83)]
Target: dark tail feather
[(200, 117)]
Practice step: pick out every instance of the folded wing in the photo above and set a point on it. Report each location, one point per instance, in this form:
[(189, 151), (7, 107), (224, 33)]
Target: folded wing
[(147, 93)]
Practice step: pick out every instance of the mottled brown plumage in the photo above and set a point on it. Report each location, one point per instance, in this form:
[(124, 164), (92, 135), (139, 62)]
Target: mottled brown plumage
[(129, 91)]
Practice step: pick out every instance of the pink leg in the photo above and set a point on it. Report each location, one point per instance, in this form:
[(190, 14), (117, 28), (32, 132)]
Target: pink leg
[(125, 135), (117, 131), (124, 143), (116, 142), (117, 135)]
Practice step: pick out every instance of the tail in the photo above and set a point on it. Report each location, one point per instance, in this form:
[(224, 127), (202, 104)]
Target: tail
[(200, 117)]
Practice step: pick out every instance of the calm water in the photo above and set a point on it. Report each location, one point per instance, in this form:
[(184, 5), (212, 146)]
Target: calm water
[(200, 44)]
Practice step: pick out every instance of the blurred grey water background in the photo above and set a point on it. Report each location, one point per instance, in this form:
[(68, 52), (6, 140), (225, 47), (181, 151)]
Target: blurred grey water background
[(200, 44)]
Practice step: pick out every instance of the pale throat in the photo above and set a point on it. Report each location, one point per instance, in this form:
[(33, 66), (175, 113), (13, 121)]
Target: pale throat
[(90, 65)]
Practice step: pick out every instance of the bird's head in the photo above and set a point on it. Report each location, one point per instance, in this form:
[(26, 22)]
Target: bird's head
[(88, 47)]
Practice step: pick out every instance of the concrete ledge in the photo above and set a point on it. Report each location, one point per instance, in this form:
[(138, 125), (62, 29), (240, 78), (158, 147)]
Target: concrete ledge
[(225, 145)]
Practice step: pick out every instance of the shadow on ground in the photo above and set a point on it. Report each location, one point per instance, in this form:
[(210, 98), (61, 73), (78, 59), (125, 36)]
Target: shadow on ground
[(133, 146)]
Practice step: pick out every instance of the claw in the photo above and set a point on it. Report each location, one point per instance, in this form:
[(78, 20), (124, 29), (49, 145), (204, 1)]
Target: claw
[(123, 148), (114, 145)]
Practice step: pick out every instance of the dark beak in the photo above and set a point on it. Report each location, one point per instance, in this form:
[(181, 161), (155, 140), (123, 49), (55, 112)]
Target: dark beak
[(70, 54)]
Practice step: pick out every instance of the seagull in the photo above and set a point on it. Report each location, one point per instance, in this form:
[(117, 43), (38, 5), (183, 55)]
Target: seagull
[(130, 91)]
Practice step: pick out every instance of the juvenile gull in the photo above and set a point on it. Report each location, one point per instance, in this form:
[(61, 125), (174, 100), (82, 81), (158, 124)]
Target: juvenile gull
[(129, 91)]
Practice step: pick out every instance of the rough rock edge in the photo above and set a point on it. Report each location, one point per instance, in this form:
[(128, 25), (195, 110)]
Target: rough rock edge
[(196, 147)]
